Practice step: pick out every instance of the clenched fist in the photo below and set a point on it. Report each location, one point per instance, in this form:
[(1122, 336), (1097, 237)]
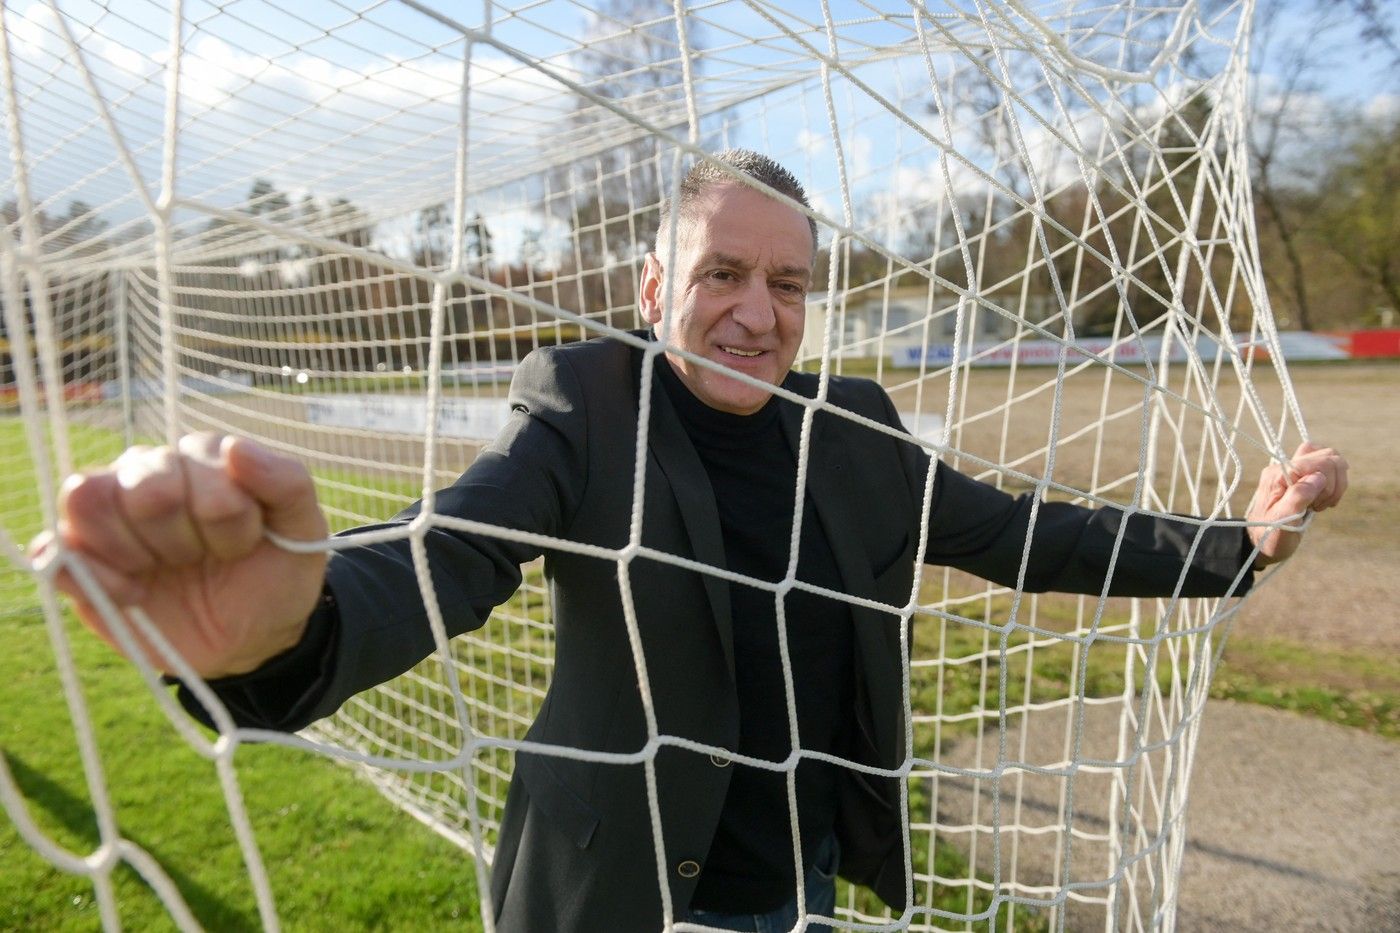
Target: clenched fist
[(181, 532)]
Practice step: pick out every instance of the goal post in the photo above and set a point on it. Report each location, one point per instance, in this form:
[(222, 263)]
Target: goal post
[(339, 232)]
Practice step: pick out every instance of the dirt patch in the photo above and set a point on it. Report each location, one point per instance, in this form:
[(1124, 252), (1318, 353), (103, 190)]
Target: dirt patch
[(1341, 589)]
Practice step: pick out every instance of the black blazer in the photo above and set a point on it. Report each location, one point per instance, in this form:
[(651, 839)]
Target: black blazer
[(578, 840)]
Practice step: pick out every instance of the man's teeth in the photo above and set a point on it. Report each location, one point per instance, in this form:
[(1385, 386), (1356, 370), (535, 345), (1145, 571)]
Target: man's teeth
[(737, 352)]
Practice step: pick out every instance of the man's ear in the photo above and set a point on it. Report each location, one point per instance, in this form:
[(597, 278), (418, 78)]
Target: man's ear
[(649, 300)]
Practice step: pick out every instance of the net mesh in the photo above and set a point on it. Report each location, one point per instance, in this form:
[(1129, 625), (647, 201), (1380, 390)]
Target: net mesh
[(337, 229)]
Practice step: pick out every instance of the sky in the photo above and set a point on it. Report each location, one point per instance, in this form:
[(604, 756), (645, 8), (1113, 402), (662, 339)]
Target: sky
[(331, 100)]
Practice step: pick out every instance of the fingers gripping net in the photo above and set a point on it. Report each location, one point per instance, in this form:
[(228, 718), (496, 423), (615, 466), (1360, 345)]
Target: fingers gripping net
[(337, 230)]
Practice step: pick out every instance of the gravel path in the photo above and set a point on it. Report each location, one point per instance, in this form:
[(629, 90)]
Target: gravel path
[(1293, 823)]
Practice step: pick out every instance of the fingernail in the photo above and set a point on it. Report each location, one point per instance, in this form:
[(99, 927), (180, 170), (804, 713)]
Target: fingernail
[(201, 451), (249, 451)]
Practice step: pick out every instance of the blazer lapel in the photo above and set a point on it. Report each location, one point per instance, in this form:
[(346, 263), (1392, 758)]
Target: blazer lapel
[(690, 485)]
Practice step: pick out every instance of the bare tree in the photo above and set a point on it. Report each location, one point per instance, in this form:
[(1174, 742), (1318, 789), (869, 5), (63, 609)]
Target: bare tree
[(1297, 133), (1360, 215), (610, 195)]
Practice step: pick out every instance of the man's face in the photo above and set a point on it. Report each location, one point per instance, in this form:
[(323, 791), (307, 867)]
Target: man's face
[(739, 288)]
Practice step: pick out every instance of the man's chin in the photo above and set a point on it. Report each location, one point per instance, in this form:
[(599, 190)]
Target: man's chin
[(737, 398)]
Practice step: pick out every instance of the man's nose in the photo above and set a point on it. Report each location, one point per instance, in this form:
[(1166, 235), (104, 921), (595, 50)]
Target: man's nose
[(753, 310)]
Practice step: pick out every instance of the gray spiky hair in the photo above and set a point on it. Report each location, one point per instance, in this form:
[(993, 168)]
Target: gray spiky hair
[(707, 173)]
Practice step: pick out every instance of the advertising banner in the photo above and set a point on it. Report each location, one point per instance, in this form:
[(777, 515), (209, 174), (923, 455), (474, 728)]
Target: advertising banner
[(476, 419), (1296, 345)]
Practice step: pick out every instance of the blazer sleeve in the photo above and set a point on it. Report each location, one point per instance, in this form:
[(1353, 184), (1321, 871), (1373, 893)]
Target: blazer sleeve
[(373, 623), (1073, 549)]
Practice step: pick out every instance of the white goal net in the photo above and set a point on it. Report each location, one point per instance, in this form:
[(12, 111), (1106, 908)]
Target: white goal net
[(337, 227)]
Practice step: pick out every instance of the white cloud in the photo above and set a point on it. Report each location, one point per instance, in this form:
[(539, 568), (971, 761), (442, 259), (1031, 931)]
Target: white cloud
[(381, 130), (860, 153), (332, 117), (1382, 107), (813, 144)]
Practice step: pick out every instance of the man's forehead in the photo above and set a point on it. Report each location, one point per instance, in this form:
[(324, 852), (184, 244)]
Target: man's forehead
[(733, 219)]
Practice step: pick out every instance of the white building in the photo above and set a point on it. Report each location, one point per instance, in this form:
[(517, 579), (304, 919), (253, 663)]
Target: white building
[(881, 319)]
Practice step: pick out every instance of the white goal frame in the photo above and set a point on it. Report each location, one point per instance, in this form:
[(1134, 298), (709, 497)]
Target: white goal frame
[(1022, 206)]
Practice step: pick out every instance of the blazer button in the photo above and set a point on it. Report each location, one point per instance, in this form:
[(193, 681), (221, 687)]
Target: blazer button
[(688, 869), (719, 761)]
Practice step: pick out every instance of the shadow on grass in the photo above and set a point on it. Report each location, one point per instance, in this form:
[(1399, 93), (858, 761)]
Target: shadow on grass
[(75, 815)]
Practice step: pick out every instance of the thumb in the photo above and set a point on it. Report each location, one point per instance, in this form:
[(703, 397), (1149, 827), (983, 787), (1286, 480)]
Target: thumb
[(1299, 496), (281, 485)]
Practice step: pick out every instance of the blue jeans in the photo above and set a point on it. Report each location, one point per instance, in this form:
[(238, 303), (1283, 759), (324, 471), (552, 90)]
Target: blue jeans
[(819, 886)]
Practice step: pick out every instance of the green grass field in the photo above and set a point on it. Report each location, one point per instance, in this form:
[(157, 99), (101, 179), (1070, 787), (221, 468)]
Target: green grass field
[(338, 855)]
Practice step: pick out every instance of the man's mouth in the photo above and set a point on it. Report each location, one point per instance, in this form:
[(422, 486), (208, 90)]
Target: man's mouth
[(739, 352)]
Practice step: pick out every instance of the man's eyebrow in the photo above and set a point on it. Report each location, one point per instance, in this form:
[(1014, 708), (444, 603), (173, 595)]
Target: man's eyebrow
[(724, 259), (802, 272), (728, 259)]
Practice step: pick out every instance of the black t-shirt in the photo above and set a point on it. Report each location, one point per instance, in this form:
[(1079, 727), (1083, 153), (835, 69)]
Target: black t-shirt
[(753, 473)]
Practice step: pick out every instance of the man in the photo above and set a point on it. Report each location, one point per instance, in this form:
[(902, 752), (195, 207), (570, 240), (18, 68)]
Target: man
[(287, 637)]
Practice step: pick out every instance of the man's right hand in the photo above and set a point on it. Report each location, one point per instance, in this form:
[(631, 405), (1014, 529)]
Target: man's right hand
[(181, 533)]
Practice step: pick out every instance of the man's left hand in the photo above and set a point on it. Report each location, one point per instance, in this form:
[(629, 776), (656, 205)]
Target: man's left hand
[(1314, 479)]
